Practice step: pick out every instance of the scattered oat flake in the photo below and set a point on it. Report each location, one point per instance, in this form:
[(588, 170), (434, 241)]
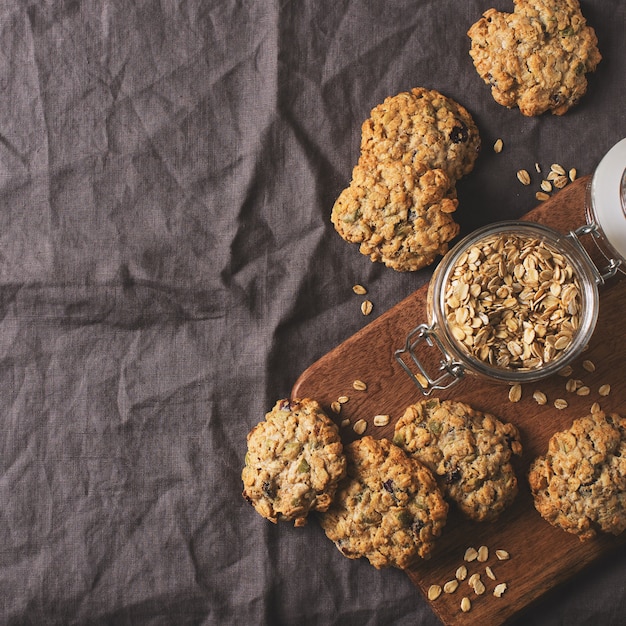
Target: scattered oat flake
[(345, 423), (515, 393), (572, 174), (583, 391), (490, 573), (473, 579), (335, 407), (471, 554), (499, 590), (546, 185), (451, 586), (560, 403), (434, 591), (483, 554), (559, 169), (571, 385), (360, 426), (566, 371), (524, 177), (461, 573), (359, 290), (342, 399), (359, 385), (604, 390), (466, 605), (381, 420), (421, 379), (542, 196), (366, 307), (497, 146), (502, 555), (479, 587), (560, 182), (589, 365), (595, 407), (538, 168), (540, 397)]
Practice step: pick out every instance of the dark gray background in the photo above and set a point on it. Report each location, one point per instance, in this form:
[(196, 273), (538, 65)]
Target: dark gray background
[(168, 269)]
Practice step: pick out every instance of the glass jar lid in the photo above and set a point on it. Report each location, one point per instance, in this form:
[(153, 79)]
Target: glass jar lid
[(607, 202)]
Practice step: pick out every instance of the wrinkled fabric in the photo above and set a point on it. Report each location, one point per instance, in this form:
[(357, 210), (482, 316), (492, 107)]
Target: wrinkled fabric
[(168, 269)]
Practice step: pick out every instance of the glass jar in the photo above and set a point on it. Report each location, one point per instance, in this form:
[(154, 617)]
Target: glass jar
[(515, 301)]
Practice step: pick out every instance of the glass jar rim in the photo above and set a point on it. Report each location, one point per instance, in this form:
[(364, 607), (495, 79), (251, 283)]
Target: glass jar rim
[(589, 304)]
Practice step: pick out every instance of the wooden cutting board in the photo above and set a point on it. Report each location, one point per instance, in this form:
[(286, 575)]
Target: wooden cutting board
[(541, 556)]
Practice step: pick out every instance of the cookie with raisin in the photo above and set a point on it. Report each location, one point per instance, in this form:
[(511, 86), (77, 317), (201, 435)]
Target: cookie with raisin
[(294, 462), (536, 58), (388, 509), (398, 216), (468, 451), (424, 129), (579, 485)]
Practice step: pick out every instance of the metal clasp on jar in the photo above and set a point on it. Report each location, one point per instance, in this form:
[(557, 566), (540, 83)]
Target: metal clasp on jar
[(601, 276), (452, 370)]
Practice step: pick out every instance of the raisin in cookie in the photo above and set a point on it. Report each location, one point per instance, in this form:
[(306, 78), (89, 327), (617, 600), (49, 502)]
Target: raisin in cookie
[(580, 483), (537, 57), (294, 462), (468, 451), (398, 216), (388, 509), (424, 129)]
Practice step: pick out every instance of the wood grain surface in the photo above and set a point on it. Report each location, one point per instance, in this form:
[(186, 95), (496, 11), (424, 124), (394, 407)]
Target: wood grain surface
[(541, 556)]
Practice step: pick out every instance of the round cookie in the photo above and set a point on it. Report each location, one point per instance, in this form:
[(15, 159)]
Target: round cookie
[(388, 509), (468, 451), (580, 483), (399, 217), (537, 57), (294, 462), (424, 129)]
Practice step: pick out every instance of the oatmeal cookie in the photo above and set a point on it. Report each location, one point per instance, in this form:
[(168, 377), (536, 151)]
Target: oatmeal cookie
[(388, 509), (424, 129), (468, 451), (398, 216), (580, 483), (294, 462), (537, 57)]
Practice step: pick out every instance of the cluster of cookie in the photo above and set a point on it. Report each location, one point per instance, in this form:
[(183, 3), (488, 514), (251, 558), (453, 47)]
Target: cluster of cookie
[(386, 501), (398, 205), (415, 145), (537, 57)]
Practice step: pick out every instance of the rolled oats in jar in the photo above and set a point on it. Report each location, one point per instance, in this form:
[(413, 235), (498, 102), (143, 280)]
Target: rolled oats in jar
[(512, 301)]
